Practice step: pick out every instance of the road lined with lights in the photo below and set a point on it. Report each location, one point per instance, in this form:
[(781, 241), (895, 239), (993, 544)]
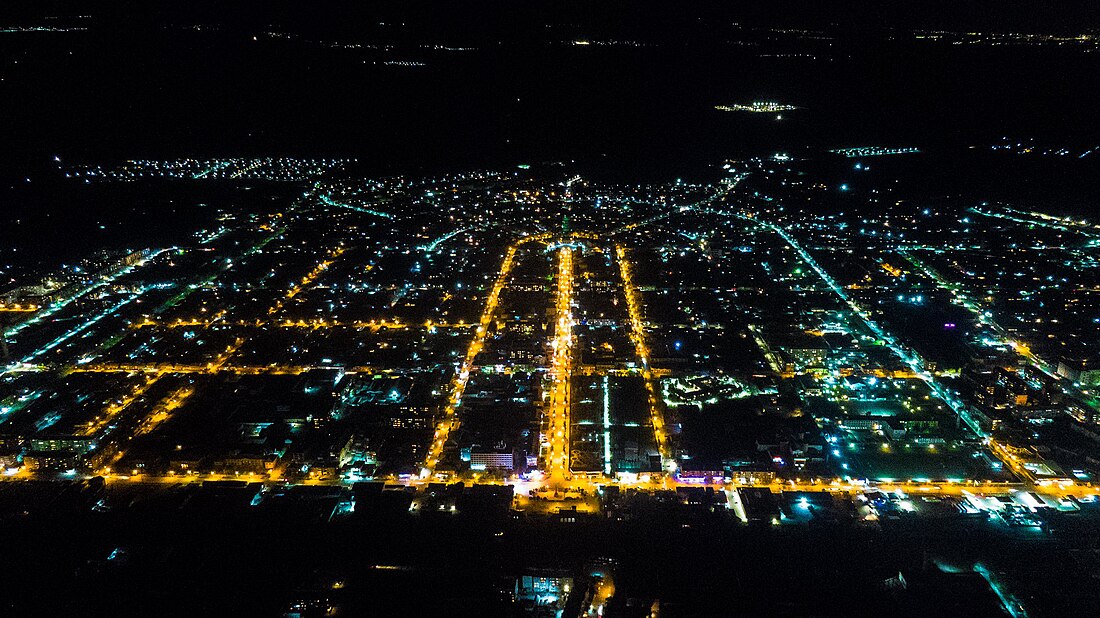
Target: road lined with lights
[(61, 304), (18, 308), (556, 419), (163, 410), (78, 329), (108, 415), (449, 421), (300, 323), (212, 368), (328, 201), (160, 413), (638, 336), (1064, 224), (307, 279), (985, 316), (911, 359)]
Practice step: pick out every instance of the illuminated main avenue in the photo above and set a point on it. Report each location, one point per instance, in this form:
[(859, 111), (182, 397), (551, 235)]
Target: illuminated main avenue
[(557, 406)]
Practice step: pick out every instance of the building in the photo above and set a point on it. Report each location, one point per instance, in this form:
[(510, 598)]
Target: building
[(1084, 371), (753, 477), (759, 503), (75, 444), (243, 462), (489, 461), (37, 461), (543, 589), (9, 459), (357, 450)]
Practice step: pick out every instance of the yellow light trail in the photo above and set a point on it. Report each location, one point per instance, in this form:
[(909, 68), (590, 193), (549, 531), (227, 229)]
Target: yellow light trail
[(163, 410), (308, 279), (215, 366), (962, 488), (115, 408), (159, 414), (450, 417), (18, 308), (637, 335), (556, 438), (165, 368), (300, 323)]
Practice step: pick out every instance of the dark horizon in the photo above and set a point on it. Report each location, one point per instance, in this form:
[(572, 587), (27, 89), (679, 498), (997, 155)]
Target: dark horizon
[(171, 81)]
